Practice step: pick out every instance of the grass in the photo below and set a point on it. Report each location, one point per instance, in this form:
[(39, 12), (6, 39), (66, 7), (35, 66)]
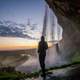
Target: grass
[(76, 57), (18, 75)]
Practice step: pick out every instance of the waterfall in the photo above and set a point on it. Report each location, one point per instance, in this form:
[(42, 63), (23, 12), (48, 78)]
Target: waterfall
[(51, 29), (45, 21)]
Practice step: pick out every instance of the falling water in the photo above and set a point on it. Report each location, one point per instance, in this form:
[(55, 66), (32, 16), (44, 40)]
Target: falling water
[(51, 29), (45, 21), (53, 32)]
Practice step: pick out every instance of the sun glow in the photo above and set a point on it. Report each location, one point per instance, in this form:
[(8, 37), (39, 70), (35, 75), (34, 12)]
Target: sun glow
[(13, 43)]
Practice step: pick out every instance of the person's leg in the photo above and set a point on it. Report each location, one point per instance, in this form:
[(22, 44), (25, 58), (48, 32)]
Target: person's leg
[(42, 65), (43, 68)]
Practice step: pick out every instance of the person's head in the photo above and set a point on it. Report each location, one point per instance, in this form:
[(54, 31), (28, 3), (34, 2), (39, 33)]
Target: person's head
[(42, 38)]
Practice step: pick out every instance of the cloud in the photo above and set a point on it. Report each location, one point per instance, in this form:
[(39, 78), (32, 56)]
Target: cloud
[(8, 28)]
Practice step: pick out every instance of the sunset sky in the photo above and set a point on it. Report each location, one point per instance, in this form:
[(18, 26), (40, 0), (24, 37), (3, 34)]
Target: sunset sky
[(13, 43), (20, 11)]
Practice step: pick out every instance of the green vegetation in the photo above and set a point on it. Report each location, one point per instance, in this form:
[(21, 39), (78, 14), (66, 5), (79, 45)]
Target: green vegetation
[(18, 75), (15, 75), (10, 75), (6, 75), (76, 57)]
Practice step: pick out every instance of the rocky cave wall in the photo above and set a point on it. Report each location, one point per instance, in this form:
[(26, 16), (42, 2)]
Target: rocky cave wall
[(71, 32)]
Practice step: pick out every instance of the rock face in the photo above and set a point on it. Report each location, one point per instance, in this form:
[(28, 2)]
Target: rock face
[(69, 19)]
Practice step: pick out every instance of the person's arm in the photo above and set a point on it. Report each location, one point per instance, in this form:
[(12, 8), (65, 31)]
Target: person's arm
[(39, 47)]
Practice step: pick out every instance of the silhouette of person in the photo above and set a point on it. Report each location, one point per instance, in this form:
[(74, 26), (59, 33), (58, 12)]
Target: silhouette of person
[(42, 47), (57, 47)]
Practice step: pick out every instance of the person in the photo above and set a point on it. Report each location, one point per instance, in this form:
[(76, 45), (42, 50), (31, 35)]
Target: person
[(42, 47), (57, 48)]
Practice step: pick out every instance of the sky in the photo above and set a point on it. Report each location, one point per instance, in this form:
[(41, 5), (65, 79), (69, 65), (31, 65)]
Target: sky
[(21, 10)]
